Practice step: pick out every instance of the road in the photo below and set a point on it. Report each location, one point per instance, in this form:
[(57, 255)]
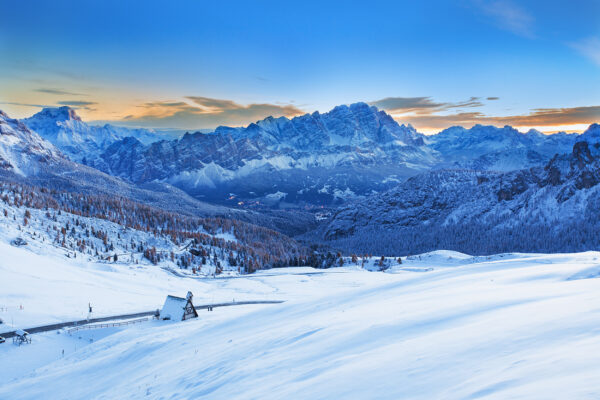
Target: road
[(53, 327)]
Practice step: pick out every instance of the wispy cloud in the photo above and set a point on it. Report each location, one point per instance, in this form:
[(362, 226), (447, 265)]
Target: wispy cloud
[(430, 115), (76, 103), (549, 117), (254, 111), (216, 104), (12, 103), (589, 47), (205, 112), (58, 92), (422, 105), (508, 16), (406, 104)]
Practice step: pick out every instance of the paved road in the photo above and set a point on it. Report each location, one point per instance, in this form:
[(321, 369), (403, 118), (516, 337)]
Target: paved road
[(53, 327)]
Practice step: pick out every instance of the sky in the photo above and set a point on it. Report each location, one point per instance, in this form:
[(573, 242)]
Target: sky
[(199, 64)]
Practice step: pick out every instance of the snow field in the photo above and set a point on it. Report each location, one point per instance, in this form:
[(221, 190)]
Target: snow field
[(506, 326)]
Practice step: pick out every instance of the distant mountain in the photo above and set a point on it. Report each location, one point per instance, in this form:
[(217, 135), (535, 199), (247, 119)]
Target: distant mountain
[(79, 141), (309, 161), (357, 125), (500, 149), (321, 159), (25, 157), (312, 159), (543, 209), (591, 135)]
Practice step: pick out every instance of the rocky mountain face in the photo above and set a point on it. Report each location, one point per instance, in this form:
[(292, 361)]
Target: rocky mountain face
[(479, 190), (27, 157), (357, 125), (313, 159), (79, 141), (322, 159), (543, 209)]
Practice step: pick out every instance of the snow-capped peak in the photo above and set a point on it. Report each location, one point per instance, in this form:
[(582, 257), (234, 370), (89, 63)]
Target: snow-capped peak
[(63, 113), (78, 140), (357, 124), (591, 134)]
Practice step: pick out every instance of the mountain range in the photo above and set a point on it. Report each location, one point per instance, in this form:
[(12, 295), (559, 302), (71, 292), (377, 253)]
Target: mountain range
[(385, 187), (312, 160), (28, 158)]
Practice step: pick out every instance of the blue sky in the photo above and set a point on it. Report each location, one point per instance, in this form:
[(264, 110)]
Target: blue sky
[(196, 64)]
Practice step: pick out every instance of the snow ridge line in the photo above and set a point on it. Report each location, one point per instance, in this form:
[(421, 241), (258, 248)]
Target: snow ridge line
[(53, 327)]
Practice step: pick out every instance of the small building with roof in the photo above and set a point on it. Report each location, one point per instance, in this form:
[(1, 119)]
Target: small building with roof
[(178, 308)]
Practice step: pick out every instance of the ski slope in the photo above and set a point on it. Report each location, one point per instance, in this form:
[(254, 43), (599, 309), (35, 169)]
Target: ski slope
[(440, 325)]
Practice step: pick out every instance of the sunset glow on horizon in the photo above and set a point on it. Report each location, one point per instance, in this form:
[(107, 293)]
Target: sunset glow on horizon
[(531, 64)]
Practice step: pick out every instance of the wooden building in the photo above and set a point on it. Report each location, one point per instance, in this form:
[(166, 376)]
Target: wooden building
[(178, 308)]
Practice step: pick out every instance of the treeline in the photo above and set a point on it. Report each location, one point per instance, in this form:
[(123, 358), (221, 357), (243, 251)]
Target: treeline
[(255, 247), (478, 238)]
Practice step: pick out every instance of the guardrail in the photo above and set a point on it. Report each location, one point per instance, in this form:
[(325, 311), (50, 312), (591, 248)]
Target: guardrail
[(110, 325)]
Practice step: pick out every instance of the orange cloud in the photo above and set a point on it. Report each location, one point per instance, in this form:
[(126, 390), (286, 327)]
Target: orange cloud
[(544, 119), (204, 112)]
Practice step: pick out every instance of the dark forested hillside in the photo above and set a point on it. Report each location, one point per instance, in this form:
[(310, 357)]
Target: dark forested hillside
[(254, 247), (555, 208)]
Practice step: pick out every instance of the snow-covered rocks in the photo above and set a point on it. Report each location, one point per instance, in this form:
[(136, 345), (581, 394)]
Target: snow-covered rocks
[(18, 242), (354, 149), (79, 141), (22, 151)]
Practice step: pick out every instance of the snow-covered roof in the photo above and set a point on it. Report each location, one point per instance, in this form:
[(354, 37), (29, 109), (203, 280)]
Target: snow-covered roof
[(174, 308)]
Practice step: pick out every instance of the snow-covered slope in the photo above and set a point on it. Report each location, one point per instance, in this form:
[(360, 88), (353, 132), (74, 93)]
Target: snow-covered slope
[(79, 141), (116, 229), (551, 208), (506, 326)]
